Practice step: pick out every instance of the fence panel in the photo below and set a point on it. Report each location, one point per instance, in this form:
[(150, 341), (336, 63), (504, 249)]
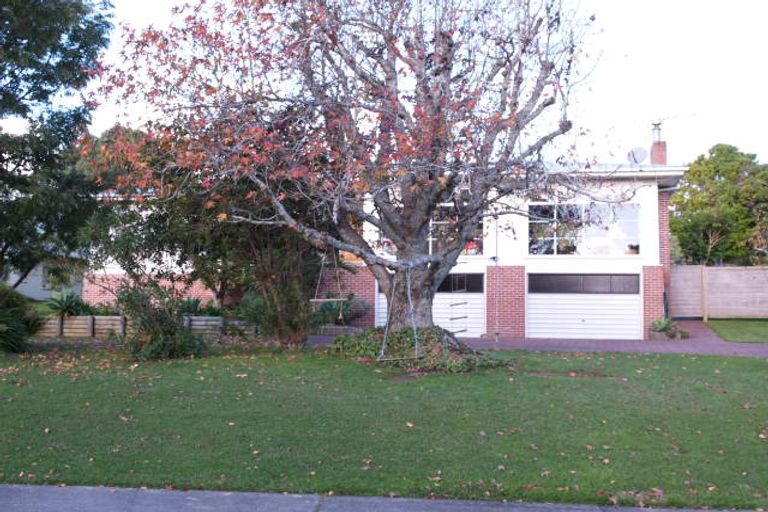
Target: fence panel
[(719, 292)]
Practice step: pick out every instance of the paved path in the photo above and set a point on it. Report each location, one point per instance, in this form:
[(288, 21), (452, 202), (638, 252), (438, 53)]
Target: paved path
[(703, 341), (41, 498)]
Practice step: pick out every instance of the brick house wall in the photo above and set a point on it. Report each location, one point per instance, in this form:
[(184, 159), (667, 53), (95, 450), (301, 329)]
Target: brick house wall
[(505, 295), (664, 237), (101, 288), (360, 282), (653, 297)]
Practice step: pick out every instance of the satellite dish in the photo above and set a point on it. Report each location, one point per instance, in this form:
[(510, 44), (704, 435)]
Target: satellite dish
[(637, 155)]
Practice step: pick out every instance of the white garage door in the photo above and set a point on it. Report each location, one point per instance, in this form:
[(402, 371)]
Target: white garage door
[(584, 306), (459, 305)]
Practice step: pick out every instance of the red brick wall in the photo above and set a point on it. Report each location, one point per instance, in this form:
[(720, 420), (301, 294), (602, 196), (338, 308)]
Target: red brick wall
[(664, 237), (653, 297), (101, 288), (361, 283), (505, 293)]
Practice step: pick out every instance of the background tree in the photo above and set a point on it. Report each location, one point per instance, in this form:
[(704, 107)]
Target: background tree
[(49, 51), (407, 106), (720, 209), (182, 232)]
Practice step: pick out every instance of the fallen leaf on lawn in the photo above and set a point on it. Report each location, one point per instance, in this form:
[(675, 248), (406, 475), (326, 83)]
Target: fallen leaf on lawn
[(534, 447), (409, 424), (763, 434), (529, 487), (711, 487), (546, 474), (748, 405)]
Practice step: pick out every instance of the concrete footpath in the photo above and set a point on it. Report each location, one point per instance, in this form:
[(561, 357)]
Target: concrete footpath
[(41, 498)]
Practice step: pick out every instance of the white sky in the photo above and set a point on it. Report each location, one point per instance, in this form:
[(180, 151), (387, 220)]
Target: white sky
[(696, 65)]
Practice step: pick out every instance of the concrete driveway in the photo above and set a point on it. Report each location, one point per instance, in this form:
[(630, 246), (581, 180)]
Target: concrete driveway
[(703, 341)]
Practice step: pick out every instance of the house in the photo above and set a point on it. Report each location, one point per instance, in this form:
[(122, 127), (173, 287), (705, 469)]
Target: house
[(37, 285), (582, 268)]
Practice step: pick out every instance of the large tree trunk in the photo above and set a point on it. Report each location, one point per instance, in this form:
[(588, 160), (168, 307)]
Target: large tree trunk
[(404, 313)]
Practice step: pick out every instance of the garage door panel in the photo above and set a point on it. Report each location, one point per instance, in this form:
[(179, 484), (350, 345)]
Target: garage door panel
[(584, 316), (461, 313)]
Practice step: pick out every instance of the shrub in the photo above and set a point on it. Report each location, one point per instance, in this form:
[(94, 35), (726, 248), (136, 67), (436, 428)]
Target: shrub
[(669, 327), (18, 320), (104, 309), (68, 304), (158, 330), (663, 325), (286, 316), (13, 333), (210, 309), (190, 306), (439, 350), (351, 309)]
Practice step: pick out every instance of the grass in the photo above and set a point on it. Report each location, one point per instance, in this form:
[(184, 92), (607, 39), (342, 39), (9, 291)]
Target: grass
[(740, 330), (41, 307), (667, 430)]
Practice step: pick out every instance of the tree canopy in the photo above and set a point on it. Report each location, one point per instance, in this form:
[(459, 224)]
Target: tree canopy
[(49, 51), (720, 212), (406, 108)]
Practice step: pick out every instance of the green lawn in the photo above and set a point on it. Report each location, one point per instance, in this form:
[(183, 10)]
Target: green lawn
[(41, 307), (752, 331), (590, 428)]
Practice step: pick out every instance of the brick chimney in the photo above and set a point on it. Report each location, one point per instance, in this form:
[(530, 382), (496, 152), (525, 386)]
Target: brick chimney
[(659, 147)]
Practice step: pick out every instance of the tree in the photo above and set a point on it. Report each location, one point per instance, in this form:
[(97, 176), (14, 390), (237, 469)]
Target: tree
[(187, 236), (49, 51), (406, 106), (719, 210)]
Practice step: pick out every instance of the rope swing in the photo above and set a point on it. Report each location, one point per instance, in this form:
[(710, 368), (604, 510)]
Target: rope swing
[(340, 300), (411, 314)]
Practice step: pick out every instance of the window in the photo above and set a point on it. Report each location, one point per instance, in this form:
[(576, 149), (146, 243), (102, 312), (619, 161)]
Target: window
[(584, 229), (460, 283), (443, 231), (584, 283)]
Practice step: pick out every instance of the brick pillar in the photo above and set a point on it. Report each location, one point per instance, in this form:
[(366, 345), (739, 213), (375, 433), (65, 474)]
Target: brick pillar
[(361, 283), (665, 253), (505, 294), (653, 297)]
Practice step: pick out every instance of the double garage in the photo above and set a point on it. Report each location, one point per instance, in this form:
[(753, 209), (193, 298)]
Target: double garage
[(577, 306)]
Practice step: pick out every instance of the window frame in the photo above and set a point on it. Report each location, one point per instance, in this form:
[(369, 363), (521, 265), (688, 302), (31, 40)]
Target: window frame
[(559, 229)]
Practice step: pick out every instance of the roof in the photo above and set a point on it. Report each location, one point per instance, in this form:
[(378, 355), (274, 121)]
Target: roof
[(665, 175)]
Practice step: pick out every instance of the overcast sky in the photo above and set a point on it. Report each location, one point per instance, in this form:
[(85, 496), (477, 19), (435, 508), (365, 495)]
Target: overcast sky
[(699, 66)]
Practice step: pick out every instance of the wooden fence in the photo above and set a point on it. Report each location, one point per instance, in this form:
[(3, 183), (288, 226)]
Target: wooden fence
[(719, 292), (104, 326)]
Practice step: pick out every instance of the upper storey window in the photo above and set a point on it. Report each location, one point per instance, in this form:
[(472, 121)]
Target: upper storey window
[(584, 229)]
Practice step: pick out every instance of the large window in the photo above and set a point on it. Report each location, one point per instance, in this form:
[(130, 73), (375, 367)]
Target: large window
[(442, 231), (460, 283), (584, 283), (584, 229)]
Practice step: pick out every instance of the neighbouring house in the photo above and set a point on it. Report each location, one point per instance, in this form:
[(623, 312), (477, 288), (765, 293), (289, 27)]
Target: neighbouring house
[(37, 285), (582, 268), (100, 287)]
